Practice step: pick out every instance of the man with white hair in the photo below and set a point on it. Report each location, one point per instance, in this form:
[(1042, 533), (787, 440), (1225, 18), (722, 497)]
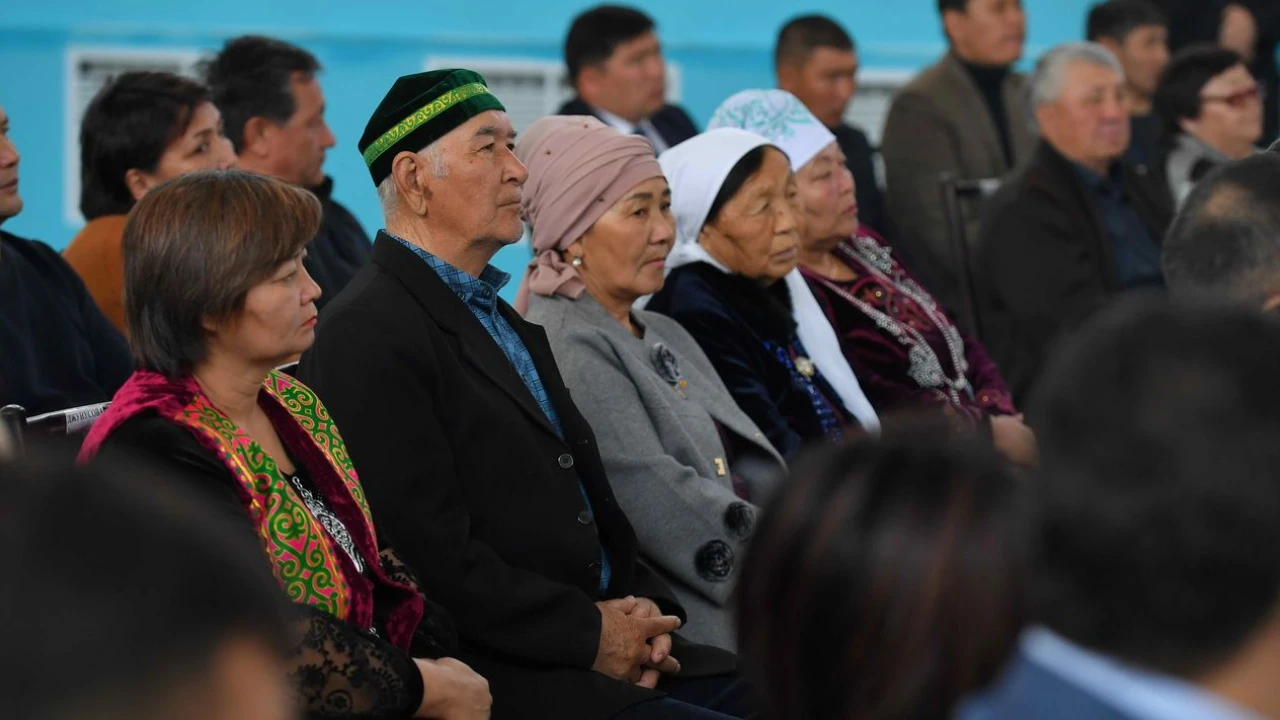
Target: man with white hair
[(1075, 226), (482, 472)]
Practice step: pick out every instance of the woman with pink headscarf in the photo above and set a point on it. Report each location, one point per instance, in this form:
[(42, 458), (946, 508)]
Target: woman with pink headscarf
[(688, 466)]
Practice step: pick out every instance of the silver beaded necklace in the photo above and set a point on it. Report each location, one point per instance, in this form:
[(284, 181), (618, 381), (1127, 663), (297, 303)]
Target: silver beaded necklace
[(925, 366)]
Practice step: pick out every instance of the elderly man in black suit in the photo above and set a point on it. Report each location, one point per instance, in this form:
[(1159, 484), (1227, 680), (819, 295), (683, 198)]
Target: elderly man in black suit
[(615, 63), (1075, 226), (479, 467)]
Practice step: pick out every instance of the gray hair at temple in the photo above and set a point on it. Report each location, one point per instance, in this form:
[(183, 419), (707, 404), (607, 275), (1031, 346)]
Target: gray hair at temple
[(1046, 81), (433, 154)]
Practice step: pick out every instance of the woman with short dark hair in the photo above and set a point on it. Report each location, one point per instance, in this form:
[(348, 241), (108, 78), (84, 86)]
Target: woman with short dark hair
[(1212, 110), (886, 579), (141, 129), (216, 297)]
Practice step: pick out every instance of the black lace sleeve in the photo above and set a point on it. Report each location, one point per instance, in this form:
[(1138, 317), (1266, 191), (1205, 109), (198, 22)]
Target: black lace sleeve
[(342, 672), (436, 636)]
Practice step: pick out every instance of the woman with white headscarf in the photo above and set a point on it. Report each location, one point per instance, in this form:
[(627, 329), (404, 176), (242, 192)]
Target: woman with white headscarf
[(908, 352), (688, 466), (733, 286)]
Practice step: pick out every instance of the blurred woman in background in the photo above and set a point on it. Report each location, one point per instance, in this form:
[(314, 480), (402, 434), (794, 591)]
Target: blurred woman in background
[(141, 129), (886, 581)]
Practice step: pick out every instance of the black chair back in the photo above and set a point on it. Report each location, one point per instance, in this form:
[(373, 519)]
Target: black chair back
[(71, 421), (13, 420), (955, 193)]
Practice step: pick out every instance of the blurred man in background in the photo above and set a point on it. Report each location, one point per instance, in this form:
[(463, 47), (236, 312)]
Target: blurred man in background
[(1154, 563), (1225, 243), (273, 112), (965, 115), (57, 349), (615, 63), (1137, 33), (816, 60), (1075, 226), (125, 599)]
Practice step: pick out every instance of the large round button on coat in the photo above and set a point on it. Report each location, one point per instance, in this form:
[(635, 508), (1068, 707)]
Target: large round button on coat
[(584, 517), (565, 460)]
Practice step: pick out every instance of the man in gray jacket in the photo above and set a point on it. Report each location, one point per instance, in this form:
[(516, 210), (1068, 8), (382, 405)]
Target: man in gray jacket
[(965, 115)]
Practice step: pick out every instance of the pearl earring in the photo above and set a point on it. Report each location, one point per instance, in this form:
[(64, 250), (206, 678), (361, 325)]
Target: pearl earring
[(577, 262)]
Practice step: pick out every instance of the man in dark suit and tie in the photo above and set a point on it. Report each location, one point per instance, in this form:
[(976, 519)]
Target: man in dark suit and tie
[(816, 60), (1154, 549), (615, 64)]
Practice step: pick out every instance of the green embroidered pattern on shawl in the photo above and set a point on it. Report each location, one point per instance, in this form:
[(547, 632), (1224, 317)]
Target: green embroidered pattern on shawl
[(304, 558)]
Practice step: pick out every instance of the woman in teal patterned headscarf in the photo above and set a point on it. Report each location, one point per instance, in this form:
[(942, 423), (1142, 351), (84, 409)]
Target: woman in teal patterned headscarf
[(908, 352)]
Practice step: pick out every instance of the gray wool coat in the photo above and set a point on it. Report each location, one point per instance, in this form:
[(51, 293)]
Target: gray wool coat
[(663, 452)]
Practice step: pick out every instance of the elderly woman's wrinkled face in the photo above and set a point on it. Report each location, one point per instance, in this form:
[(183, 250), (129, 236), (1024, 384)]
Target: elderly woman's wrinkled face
[(624, 253), (757, 233), (278, 320), (827, 197)]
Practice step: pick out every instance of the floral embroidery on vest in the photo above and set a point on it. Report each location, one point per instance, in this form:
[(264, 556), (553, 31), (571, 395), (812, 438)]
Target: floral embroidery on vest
[(304, 559)]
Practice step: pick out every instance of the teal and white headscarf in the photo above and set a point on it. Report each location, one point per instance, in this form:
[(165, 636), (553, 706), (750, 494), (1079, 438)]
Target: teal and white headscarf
[(779, 117)]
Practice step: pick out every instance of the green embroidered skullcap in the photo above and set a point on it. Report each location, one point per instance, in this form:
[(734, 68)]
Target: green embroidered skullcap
[(418, 110)]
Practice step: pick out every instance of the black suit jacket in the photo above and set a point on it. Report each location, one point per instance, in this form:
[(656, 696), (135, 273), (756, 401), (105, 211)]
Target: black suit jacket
[(1044, 264), (340, 248), (672, 122), (470, 483)]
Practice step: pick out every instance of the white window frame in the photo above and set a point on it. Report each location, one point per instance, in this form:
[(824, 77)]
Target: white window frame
[(554, 72)]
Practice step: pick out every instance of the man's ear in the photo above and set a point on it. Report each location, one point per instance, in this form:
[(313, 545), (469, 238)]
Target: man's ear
[(788, 76), (951, 23), (413, 180), (1044, 113), (259, 133), (590, 80)]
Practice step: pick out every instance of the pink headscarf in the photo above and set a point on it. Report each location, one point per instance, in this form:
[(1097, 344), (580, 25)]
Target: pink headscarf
[(578, 168)]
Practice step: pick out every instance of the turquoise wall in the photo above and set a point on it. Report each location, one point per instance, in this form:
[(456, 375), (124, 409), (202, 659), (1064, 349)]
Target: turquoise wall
[(722, 46)]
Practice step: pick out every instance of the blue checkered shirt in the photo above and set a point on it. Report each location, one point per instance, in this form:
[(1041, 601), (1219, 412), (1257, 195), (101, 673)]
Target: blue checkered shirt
[(480, 295)]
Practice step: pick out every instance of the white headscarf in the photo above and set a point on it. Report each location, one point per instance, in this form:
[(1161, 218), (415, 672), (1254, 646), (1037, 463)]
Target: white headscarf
[(779, 117), (696, 170)]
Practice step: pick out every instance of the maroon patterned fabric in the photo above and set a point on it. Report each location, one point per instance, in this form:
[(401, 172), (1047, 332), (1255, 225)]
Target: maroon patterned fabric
[(883, 360)]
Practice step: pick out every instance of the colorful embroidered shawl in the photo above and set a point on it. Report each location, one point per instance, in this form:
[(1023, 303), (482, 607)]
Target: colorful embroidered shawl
[(309, 565)]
